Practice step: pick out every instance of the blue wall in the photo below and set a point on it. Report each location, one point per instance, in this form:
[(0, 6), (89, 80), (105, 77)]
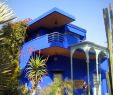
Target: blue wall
[(41, 42), (37, 40)]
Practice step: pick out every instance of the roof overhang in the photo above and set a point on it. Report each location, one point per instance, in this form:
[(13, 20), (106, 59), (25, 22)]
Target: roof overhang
[(64, 52), (51, 19)]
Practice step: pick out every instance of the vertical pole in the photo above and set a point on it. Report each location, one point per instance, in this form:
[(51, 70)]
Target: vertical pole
[(71, 54), (109, 41), (87, 61), (97, 74), (99, 66), (71, 67)]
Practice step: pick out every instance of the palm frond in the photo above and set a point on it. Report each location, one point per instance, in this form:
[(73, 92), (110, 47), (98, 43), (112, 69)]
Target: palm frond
[(6, 13)]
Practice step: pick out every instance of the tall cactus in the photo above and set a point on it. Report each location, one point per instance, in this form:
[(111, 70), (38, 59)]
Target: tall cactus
[(108, 20)]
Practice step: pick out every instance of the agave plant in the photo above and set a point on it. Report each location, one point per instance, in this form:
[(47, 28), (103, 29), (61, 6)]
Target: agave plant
[(35, 70)]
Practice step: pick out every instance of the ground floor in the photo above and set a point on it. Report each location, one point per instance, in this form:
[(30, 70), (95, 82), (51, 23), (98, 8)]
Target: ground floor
[(84, 66), (59, 67)]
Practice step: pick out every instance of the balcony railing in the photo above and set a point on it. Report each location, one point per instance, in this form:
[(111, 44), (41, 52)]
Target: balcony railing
[(55, 37)]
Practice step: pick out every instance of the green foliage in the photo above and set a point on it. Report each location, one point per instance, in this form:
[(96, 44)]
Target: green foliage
[(14, 35), (36, 69), (57, 88)]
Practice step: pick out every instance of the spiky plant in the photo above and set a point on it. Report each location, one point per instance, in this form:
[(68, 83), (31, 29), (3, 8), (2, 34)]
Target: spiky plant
[(6, 13), (35, 70)]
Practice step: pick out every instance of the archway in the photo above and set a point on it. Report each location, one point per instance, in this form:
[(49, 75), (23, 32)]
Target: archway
[(79, 70)]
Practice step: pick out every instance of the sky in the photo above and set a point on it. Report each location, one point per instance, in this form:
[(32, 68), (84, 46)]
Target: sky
[(88, 13)]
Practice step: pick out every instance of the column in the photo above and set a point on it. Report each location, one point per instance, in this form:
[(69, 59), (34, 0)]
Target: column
[(87, 61), (86, 49), (98, 90), (72, 79)]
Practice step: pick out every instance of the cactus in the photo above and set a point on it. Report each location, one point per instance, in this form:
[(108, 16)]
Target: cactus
[(108, 20)]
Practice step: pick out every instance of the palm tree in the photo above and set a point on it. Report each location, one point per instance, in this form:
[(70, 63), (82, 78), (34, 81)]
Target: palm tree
[(35, 70), (6, 14)]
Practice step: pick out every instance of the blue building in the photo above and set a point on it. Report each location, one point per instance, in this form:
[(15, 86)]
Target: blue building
[(70, 56)]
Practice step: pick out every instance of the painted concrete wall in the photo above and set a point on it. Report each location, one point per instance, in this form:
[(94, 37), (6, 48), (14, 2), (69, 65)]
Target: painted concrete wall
[(36, 44), (62, 63), (39, 40)]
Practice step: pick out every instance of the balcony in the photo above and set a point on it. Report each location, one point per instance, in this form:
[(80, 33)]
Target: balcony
[(49, 40), (56, 39)]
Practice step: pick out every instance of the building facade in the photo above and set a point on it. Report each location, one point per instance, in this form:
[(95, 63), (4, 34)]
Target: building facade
[(71, 58)]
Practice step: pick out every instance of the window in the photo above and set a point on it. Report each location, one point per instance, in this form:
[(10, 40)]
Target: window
[(57, 75)]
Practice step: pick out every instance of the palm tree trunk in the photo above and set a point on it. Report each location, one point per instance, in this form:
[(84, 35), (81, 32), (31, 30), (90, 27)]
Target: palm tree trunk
[(33, 91)]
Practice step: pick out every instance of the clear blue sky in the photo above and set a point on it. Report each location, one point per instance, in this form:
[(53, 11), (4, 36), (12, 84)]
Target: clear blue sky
[(88, 13)]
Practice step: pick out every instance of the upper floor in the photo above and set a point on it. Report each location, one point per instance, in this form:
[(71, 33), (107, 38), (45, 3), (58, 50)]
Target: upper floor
[(51, 31), (55, 24)]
